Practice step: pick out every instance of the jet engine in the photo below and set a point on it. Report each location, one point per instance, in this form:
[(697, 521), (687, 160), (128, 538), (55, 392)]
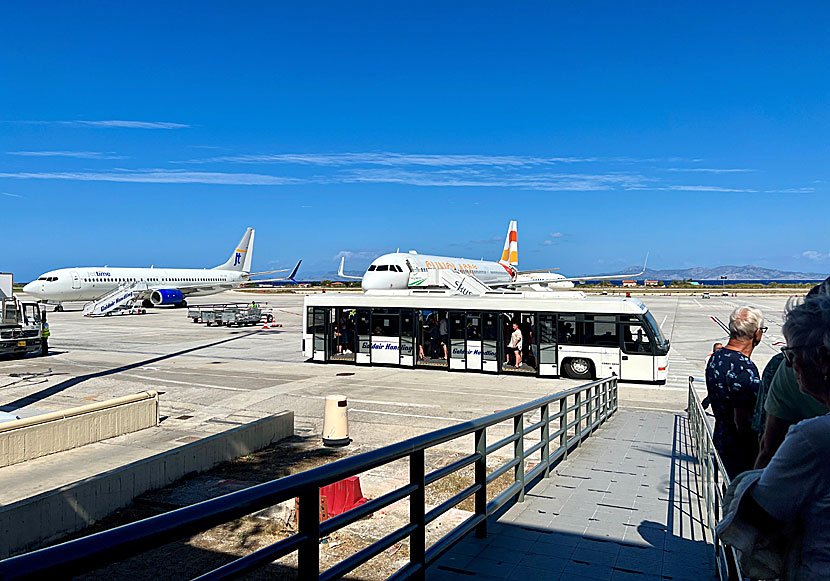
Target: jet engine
[(164, 296)]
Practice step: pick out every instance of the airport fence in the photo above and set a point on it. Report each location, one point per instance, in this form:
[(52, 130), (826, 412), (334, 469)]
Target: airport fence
[(712, 483), (565, 419)]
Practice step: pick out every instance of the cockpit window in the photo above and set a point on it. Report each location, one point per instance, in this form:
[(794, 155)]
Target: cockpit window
[(383, 267), (371, 267)]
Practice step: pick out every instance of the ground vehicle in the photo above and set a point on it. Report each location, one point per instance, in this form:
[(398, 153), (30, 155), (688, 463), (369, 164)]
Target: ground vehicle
[(20, 322), (705, 296), (239, 314), (574, 336)]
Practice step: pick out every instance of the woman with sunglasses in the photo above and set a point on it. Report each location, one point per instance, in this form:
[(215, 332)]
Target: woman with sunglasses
[(791, 498)]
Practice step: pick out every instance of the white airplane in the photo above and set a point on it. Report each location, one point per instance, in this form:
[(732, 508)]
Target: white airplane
[(402, 270), (168, 286)]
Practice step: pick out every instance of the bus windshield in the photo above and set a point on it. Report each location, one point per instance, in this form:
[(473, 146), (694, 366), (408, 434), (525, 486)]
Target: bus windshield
[(655, 328)]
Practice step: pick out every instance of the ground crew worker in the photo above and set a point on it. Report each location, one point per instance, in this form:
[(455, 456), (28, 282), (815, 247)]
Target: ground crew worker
[(44, 336)]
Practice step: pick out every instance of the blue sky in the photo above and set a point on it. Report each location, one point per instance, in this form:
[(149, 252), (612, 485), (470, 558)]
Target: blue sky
[(153, 133)]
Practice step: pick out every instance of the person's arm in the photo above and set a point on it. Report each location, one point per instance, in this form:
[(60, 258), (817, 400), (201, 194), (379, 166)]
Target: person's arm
[(774, 432), (794, 474)]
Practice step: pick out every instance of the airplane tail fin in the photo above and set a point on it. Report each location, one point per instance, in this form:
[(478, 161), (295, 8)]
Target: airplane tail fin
[(241, 257), (510, 254)]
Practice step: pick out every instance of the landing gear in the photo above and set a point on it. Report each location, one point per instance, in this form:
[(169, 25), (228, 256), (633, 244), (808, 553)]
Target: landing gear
[(182, 304), (58, 308)]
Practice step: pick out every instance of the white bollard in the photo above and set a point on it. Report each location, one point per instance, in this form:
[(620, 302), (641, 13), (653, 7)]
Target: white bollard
[(336, 421)]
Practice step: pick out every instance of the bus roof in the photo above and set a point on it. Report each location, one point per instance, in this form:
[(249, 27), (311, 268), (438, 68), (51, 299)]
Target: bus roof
[(575, 302)]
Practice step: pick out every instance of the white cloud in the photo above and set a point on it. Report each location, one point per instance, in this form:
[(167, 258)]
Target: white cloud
[(76, 154), (368, 254), (710, 170), (542, 182), (807, 190), (128, 124), (11, 195), (395, 159), (696, 189), (160, 176), (815, 255), (556, 235)]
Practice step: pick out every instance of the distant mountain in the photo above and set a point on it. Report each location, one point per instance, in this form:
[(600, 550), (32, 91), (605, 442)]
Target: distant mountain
[(749, 272)]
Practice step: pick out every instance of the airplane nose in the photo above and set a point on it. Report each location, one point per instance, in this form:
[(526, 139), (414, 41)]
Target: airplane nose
[(29, 288)]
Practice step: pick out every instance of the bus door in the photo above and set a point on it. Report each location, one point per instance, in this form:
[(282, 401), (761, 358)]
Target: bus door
[(530, 339), (474, 359), (490, 342), (386, 338), (457, 338), (637, 351), (601, 332), (319, 317), (547, 345), (363, 344), (407, 351)]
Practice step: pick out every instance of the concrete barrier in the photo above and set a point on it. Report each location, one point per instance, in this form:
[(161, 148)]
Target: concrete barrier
[(29, 438), (34, 522)]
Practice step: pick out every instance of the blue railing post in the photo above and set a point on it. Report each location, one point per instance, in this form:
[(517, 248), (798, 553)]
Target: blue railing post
[(546, 439), (481, 480), (417, 540), (578, 417), (519, 453), (308, 555)]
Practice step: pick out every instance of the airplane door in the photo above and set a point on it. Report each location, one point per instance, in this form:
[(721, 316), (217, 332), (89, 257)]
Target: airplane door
[(76, 280), (458, 343)]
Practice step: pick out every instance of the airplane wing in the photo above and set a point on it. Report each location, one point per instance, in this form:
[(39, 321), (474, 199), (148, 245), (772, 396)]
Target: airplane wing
[(569, 279), (340, 270)]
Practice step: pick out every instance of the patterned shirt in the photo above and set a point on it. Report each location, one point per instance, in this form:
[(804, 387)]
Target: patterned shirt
[(732, 381)]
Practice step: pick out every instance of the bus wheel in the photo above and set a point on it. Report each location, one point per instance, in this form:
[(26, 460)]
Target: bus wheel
[(578, 368)]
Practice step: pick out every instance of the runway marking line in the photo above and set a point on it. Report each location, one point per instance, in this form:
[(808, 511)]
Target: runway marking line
[(225, 387)]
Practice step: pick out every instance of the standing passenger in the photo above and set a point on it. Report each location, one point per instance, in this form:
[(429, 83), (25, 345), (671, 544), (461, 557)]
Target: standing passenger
[(515, 345), (732, 381)]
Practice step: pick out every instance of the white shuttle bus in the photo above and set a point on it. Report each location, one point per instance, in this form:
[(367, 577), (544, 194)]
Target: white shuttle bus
[(572, 336)]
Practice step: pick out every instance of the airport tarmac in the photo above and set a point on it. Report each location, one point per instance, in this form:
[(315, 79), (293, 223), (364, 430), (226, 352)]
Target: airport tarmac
[(212, 373)]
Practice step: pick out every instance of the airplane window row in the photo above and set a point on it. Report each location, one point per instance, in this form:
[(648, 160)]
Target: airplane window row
[(49, 278), (148, 280), (386, 268)]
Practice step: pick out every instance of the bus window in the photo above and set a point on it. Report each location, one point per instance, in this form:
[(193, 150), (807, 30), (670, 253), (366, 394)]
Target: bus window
[(635, 339), (569, 330), (601, 330), (385, 322), (309, 320)]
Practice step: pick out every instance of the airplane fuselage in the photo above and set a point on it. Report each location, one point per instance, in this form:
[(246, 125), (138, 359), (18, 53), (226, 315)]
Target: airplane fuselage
[(88, 283), (392, 271)]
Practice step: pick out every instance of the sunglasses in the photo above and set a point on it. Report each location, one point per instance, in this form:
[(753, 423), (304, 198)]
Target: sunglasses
[(789, 352)]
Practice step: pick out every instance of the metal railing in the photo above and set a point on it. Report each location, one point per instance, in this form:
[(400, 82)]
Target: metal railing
[(565, 419), (712, 483)]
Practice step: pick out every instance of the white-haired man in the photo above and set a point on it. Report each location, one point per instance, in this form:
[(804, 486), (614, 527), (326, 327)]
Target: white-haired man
[(732, 381)]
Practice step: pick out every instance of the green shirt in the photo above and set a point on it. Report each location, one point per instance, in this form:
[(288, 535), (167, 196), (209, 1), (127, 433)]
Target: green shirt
[(787, 402)]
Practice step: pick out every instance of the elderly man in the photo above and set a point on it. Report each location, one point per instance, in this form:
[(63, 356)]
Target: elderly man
[(732, 381)]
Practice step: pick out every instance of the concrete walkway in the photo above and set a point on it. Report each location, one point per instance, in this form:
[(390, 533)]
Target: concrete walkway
[(623, 507)]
